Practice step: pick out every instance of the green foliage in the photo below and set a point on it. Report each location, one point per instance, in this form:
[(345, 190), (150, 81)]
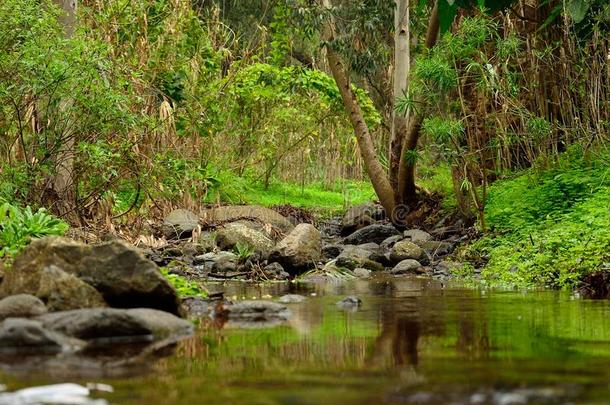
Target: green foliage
[(243, 251), (550, 227), (184, 287), (18, 226)]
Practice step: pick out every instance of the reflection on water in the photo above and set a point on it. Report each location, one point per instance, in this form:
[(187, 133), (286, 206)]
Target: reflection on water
[(412, 341)]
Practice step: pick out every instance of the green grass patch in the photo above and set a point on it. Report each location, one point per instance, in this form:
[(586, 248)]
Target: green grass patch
[(548, 227), (184, 287)]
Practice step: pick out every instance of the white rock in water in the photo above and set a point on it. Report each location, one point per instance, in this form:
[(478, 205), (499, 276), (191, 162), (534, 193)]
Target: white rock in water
[(60, 394)]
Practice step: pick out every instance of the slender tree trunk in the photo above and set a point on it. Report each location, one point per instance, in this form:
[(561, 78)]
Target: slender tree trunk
[(402, 64), (375, 170), (64, 161), (407, 190)]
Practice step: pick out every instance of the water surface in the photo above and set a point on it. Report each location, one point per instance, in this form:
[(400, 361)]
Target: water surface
[(412, 341)]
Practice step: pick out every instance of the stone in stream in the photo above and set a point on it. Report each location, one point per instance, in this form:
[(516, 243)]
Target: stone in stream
[(254, 314), (353, 257), (388, 243), (217, 262), (180, 223), (373, 233), (237, 234), (408, 266), (300, 250), (96, 323), (435, 248), (63, 291), (406, 250), (27, 335), (66, 393), (292, 299), (275, 271), (21, 306), (332, 250), (362, 273), (119, 271), (350, 302)]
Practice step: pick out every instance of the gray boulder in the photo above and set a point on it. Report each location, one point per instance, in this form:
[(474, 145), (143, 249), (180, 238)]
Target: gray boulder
[(255, 314), (406, 250), (388, 243), (21, 306), (435, 248), (292, 299), (353, 257), (96, 323), (416, 235), (332, 250), (238, 212), (235, 233), (408, 266), (63, 291), (300, 249), (120, 272), (17, 335), (220, 262), (362, 273), (373, 233), (180, 223)]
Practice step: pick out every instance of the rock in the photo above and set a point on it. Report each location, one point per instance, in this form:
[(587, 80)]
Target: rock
[(406, 250), (19, 334), (96, 323), (435, 248), (360, 216), (120, 272), (196, 307), (408, 266), (417, 235), (362, 273), (300, 249), (275, 271), (373, 233), (221, 262), (388, 243), (371, 246), (237, 234), (207, 241), (63, 291), (350, 302), (292, 299), (353, 257), (238, 212), (66, 393), (249, 314), (180, 223), (21, 306), (330, 251)]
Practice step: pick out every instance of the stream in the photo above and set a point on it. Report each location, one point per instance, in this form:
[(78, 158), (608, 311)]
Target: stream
[(413, 341)]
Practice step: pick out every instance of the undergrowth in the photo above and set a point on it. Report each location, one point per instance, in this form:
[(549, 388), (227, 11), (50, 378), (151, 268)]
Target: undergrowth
[(184, 287), (548, 226)]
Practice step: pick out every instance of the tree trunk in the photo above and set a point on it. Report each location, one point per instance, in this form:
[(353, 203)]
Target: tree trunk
[(64, 161), (375, 170), (407, 190), (402, 64)]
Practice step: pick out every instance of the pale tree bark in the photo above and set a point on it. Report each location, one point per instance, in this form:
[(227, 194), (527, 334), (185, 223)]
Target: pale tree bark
[(375, 170), (407, 189), (64, 161), (402, 65)]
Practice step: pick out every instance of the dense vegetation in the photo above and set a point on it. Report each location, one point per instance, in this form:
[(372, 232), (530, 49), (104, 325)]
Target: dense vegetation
[(123, 109)]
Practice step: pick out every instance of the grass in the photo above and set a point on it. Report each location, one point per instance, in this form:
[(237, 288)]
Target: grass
[(549, 227)]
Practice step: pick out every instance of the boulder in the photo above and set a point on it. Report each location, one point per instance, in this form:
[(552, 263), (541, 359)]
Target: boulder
[(292, 299), (388, 243), (275, 271), (253, 314), (416, 235), (360, 216), (435, 248), (373, 233), (406, 250), (332, 250), (350, 302), (17, 334), (353, 257), (300, 249), (362, 273), (238, 212), (408, 266), (180, 223), (21, 306), (207, 241), (371, 246), (97, 323), (120, 272), (221, 262), (235, 233), (63, 291)]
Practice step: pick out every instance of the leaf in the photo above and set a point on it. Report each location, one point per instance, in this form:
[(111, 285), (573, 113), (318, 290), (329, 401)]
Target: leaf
[(451, 2), (446, 15), (578, 9)]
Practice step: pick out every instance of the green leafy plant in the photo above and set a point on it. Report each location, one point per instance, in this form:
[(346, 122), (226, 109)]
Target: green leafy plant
[(184, 287), (243, 251), (18, 226)]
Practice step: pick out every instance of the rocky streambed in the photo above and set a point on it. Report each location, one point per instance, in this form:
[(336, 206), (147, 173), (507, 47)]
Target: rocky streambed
[(102, 305)]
